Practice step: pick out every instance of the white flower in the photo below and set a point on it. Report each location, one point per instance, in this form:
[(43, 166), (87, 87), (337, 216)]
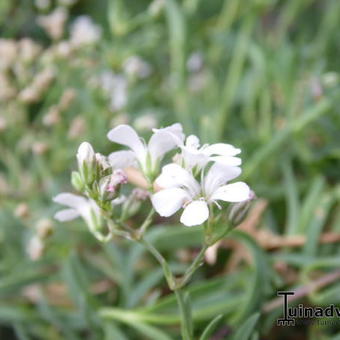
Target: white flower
[(116, 88), (54, 22), (135, 66), (84, 31), (81, 207), (147, 155), (181, 190), (194, 155)]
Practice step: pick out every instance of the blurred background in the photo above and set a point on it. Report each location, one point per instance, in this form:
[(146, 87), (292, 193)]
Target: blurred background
[(262, 75)]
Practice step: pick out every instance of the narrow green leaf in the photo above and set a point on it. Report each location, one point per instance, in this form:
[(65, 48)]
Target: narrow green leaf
[(246, 330), (210, 328)]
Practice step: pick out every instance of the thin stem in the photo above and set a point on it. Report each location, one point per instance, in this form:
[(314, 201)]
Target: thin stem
[(146, 224), (159, 257), (186, 324), (194, 266)]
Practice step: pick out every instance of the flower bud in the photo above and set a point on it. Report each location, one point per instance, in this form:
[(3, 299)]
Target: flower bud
[(238, 211), (86, 162), (109, 186)]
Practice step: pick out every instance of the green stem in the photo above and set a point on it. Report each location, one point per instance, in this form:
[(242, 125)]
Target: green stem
[(146, 224), (186, 317), (193, 267), (159, 257)]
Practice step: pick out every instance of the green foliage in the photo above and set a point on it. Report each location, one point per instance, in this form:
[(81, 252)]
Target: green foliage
[(259, 74)]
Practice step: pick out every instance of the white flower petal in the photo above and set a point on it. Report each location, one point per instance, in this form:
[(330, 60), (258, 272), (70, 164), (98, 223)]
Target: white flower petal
[(195, 213), (227, 160), (167, 202), (70, 200), (164, 140), (221, 149), (66, 215), (122, 159), (174, 175), (218, 175), (126, 135), (176, 130), (235, 192)]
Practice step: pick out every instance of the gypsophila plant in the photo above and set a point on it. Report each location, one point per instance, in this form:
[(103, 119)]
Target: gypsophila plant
[(196, 180)]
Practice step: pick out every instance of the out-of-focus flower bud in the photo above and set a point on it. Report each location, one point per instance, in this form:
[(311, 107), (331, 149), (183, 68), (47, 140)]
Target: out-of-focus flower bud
[(77, 127), (84, 32), (52, 117), (156, 7), (22, 210), (237, 212), (28, 50), (330, 79), (67, 99), (39, 148), (8, 53), (54, 23), (146, 122), (44, 228), (134, 66), (140, 194), (109, 186), (86, 162), (35, 248), (102, 163)]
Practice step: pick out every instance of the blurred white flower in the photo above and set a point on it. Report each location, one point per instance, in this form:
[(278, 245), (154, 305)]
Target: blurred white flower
[(8, 53), (42, 4), (181, 190), (145, 122), (148, 155), (135, 66), (35, 248), (28, 50), (84, 31), (54, 22), (81, 207), (195, 155), (195, 62), (116, 87)]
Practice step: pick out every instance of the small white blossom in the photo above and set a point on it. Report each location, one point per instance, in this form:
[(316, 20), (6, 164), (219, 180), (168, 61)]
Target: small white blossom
[(147, 155), (84, 31), (54, 22), (194, 155), (136, 67), (116, 88), (181, 190), (145, 122), (81, 207)]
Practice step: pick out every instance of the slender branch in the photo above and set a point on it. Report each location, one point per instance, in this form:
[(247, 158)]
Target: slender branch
[(159, 257), (141, 231), (193, 267)]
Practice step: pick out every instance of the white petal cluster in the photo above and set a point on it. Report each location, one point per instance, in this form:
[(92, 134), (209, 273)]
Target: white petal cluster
[(197, 180), (84, 31), (79, 206), (147, 156), (180, 189)]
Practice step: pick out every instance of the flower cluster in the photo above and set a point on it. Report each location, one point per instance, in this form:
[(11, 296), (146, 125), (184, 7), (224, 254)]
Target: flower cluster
[(196, 179)]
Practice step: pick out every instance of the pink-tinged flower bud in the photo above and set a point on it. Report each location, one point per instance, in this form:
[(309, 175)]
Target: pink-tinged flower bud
[(109, 186), (140, 194), (238, 211)]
